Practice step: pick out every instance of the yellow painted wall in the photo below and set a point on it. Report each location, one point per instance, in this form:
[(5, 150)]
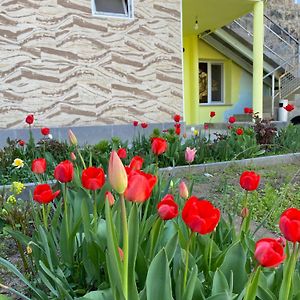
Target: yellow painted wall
[(199, 114)]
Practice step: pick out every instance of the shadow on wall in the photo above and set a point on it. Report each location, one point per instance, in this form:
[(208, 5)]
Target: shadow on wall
[(244, 96)]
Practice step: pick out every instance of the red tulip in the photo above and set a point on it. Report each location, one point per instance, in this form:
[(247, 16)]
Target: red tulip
[(205, 126), (177, 130), (29, 119), (232, 120), (122, 153), (167, 208), (239, 131), (246, 110), (289, 224), (110, 198), (212, 114), (144, 125), (45, 131), (176, 118), (135, 123), (21, 143), (93, 178), (249, 181), (43, 194), (269, 252), (200, 215), (140, 186), (64, 171), (159, 146), (289, 107), (39, 166), (136, 163)]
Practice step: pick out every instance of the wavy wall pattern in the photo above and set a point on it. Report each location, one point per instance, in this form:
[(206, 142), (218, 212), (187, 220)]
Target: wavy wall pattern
[(70, 68)]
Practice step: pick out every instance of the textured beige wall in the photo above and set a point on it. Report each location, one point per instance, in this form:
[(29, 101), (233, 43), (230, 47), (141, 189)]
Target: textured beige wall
[(70, 68)]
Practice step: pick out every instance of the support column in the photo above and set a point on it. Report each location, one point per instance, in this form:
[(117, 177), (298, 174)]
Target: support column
[(191, 79), (258, 56)]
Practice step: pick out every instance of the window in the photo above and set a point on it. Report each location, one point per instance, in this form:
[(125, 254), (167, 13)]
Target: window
[(211, 83), (112, 8)]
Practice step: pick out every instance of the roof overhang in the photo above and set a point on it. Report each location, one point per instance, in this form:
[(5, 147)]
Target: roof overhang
[(212, 14)]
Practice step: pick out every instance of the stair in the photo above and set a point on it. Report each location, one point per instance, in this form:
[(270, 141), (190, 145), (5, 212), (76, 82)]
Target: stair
[(283, 49)]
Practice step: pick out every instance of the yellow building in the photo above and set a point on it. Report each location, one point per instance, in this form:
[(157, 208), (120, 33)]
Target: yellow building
[(212, 80)]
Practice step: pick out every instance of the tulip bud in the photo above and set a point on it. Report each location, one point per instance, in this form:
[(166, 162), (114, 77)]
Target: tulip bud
[(72, 138), (183, 190), (171, 184), (110, 198), (245, 212), (117, 174), (121, 253), (72, 156)]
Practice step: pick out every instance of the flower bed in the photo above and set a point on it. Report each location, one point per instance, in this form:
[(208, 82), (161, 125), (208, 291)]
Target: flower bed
[(134, 235), (196, 147)]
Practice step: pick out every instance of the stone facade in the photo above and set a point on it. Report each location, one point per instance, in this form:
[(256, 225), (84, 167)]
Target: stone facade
[(287, 14), (70, 68)]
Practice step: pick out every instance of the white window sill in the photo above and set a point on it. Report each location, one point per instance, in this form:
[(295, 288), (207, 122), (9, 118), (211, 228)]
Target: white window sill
[(215, 104)]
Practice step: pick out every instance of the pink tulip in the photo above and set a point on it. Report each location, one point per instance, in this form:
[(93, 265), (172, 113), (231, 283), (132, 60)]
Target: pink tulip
[(183, 190), (190, 154)]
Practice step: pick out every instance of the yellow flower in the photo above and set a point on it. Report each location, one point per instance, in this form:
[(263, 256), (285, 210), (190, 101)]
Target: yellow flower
[(19, 163), (17, 187), (196, 132), (28, 249), (12, 199)]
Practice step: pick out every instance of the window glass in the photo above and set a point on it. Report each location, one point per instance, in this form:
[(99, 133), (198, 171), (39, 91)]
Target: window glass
[(112, 7), (203, 82), (216, 83)]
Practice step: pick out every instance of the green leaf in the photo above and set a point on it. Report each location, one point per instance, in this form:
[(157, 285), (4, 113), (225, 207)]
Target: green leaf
[(234, 263), (190, 287), (133, 232), (220, 284), (171, 246), (221, 296), (158, 282), (98, 295)]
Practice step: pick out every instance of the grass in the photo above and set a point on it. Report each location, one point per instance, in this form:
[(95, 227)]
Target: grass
[(279, 189)]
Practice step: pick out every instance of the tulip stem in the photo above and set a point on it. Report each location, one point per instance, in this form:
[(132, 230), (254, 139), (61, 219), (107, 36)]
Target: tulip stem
[(125, 246), (95, 209), (288, 273), (45, 217), (81, 158), (210, 250), (156, 159), (66, 211), (187, 260)]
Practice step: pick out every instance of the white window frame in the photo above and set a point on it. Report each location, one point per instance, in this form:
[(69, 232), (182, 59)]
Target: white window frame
[(209, 86), (128, 15)]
